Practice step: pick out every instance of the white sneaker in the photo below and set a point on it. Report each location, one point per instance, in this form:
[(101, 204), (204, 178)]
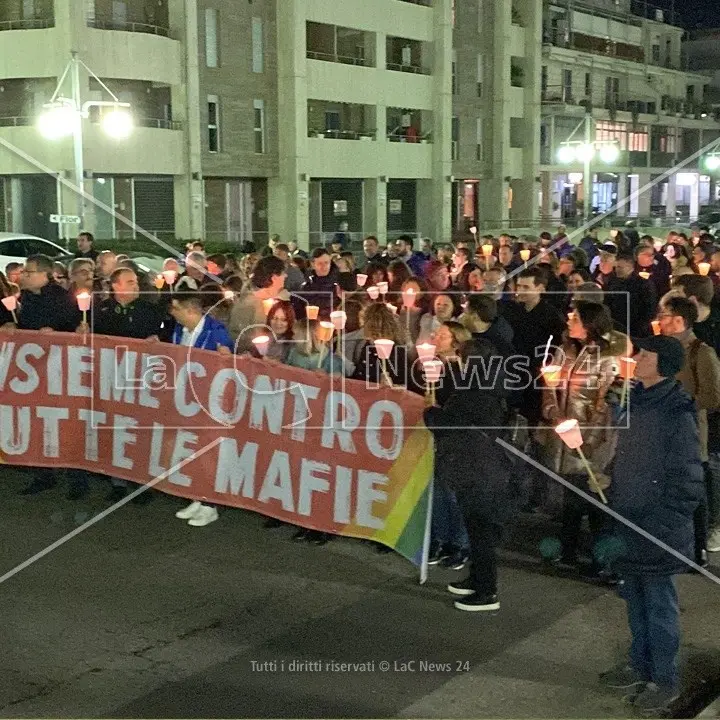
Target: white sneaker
[(188, 512), (204, 516), (713, 541)]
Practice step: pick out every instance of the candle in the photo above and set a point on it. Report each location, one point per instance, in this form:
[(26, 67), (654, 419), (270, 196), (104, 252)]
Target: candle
[(229, 295), (425, 351), (408, 298), (262, 344), (525, 255), (338, 319), (627, 367), (170, 277), (391, 308), (656, 327), (551, 375), (487, 250), (384, 348), (361, 279), (10, 303), (382, 288), (473, 230), (311, 312), (432, 369), (644, 275), (325, 331), (704, 268), (373, 292), (658, 245), (267, 305), (159, 282), (569, 432)]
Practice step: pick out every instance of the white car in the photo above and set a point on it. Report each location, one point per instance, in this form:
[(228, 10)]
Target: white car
[(16, 247)]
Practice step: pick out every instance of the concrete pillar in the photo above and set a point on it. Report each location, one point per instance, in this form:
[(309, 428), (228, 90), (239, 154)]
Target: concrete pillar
[(375, 208), (186, 104), (546, 185), (622, 193), (644, 196), (494, 211), (288, 193), (695, 198), (671, 197), (525, 204), (434, 202)]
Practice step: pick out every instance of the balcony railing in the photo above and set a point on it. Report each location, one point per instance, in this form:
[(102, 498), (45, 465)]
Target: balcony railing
[(424, 3), (417, 69), (330, 57), (18, 121), (34, 24), (101, 23), (402, 138), (343, 134)]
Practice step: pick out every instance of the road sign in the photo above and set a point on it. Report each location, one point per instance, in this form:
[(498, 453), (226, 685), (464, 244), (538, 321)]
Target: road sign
[(65, 219)]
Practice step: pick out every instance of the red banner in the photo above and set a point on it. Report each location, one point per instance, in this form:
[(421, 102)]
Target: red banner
[(307, 448)]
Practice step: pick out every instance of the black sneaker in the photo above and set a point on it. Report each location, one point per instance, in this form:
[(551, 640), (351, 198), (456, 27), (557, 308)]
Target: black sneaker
[(381, 549), (272, 523), (437, 555), (478, 603), (456, 561), (38, 485), (463, 588), (116, 494), (300, 535), (317, 538)]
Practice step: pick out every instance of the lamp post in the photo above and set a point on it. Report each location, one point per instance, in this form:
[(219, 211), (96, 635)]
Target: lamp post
[(64, 116)]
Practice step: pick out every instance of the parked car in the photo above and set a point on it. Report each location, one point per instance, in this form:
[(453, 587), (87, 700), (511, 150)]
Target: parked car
[(16, 247)]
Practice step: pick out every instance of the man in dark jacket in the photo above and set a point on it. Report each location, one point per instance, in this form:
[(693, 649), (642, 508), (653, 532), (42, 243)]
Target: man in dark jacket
[(472, 464), (630, 296), (416, 261), (657, 483), (85, 243), (43, 303), (371, 248), (319, 288)]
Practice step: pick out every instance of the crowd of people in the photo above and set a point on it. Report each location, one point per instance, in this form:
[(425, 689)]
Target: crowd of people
[(558, 322)]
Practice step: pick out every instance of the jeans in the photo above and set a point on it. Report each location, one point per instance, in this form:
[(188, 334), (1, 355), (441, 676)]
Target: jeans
[(712, 483), (484, 535), (574, 509), (448, 527), (654, 619)]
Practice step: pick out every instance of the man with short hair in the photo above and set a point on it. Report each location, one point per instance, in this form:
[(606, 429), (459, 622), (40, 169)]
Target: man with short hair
[(405, 252), (461, 269), (647, 260), (630, 297), (700, 376), (13, 272), (197, 329), (295, 251), (85, 246), (371, 248), (195, 272), (426, 248), (295, 277), (657, 482), (105, 264), (319, 288)]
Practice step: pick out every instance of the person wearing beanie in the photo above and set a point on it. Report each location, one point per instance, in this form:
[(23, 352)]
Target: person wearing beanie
[(657, 484)]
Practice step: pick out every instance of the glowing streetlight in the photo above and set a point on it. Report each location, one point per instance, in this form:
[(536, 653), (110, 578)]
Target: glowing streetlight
[(118, 124), (585, 152), (609, 153), (712, 162), (57, 121), (566, 154)]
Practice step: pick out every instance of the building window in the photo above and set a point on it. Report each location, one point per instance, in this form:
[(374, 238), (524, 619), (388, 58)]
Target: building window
[(258, 60), (455, 138), (28, 9), (211, 38), (567, 86), (213, 123), (479, 140), (480, 74), (454, 73), (588, 86), (119, 13), (481, 24), (656, 54), (259, 126)]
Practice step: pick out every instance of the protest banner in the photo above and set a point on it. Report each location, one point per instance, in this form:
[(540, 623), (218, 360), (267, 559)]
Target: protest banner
[(313, 450)]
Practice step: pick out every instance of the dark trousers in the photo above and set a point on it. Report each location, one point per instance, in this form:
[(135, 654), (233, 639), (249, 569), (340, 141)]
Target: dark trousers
[(654, 618), (575, 507), (485, 534)]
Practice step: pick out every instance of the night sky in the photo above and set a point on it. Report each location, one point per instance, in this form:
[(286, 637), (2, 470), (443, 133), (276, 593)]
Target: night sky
[(694, 13)]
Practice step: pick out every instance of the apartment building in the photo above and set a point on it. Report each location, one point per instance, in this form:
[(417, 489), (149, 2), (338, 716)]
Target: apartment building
[(614, 72)]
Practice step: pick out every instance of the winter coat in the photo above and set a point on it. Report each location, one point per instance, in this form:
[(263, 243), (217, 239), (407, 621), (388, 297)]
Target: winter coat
[(466, 454), (247, 319), (657, 479), (587, 375), (52, 307), (212, 334), (331, 364), (319, 291)]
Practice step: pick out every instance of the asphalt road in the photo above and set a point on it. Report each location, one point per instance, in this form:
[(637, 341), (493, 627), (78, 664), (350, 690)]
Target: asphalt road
[(142, 616)]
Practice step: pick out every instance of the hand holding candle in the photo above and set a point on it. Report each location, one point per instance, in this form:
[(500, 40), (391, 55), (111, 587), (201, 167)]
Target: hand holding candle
[(170, 277), (425, 351), (361, 279), (704, 268), (262, 344), (408, 298), (311, 312), (524, 255), (384, 349), (83, 301), (268, 305), (339, 319), (382, 288), (487, 252), (432, 369), (159, 282), (626, 370), (569, 432), (373, 292)]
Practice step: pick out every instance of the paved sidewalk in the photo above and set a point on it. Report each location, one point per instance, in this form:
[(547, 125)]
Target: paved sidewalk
[(144, 616)]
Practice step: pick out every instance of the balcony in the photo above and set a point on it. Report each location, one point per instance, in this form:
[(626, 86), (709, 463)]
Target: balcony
[(32, 24), (331, 43), (604, 47), (149, 17), (424, 3), (340, 121), (405, 56), (100, 23)]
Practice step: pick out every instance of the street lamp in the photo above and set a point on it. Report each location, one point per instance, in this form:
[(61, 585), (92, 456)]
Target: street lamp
[(712, 162), (62, 117)]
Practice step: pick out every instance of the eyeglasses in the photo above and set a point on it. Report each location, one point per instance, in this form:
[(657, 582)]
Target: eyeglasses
[(32, 272)]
